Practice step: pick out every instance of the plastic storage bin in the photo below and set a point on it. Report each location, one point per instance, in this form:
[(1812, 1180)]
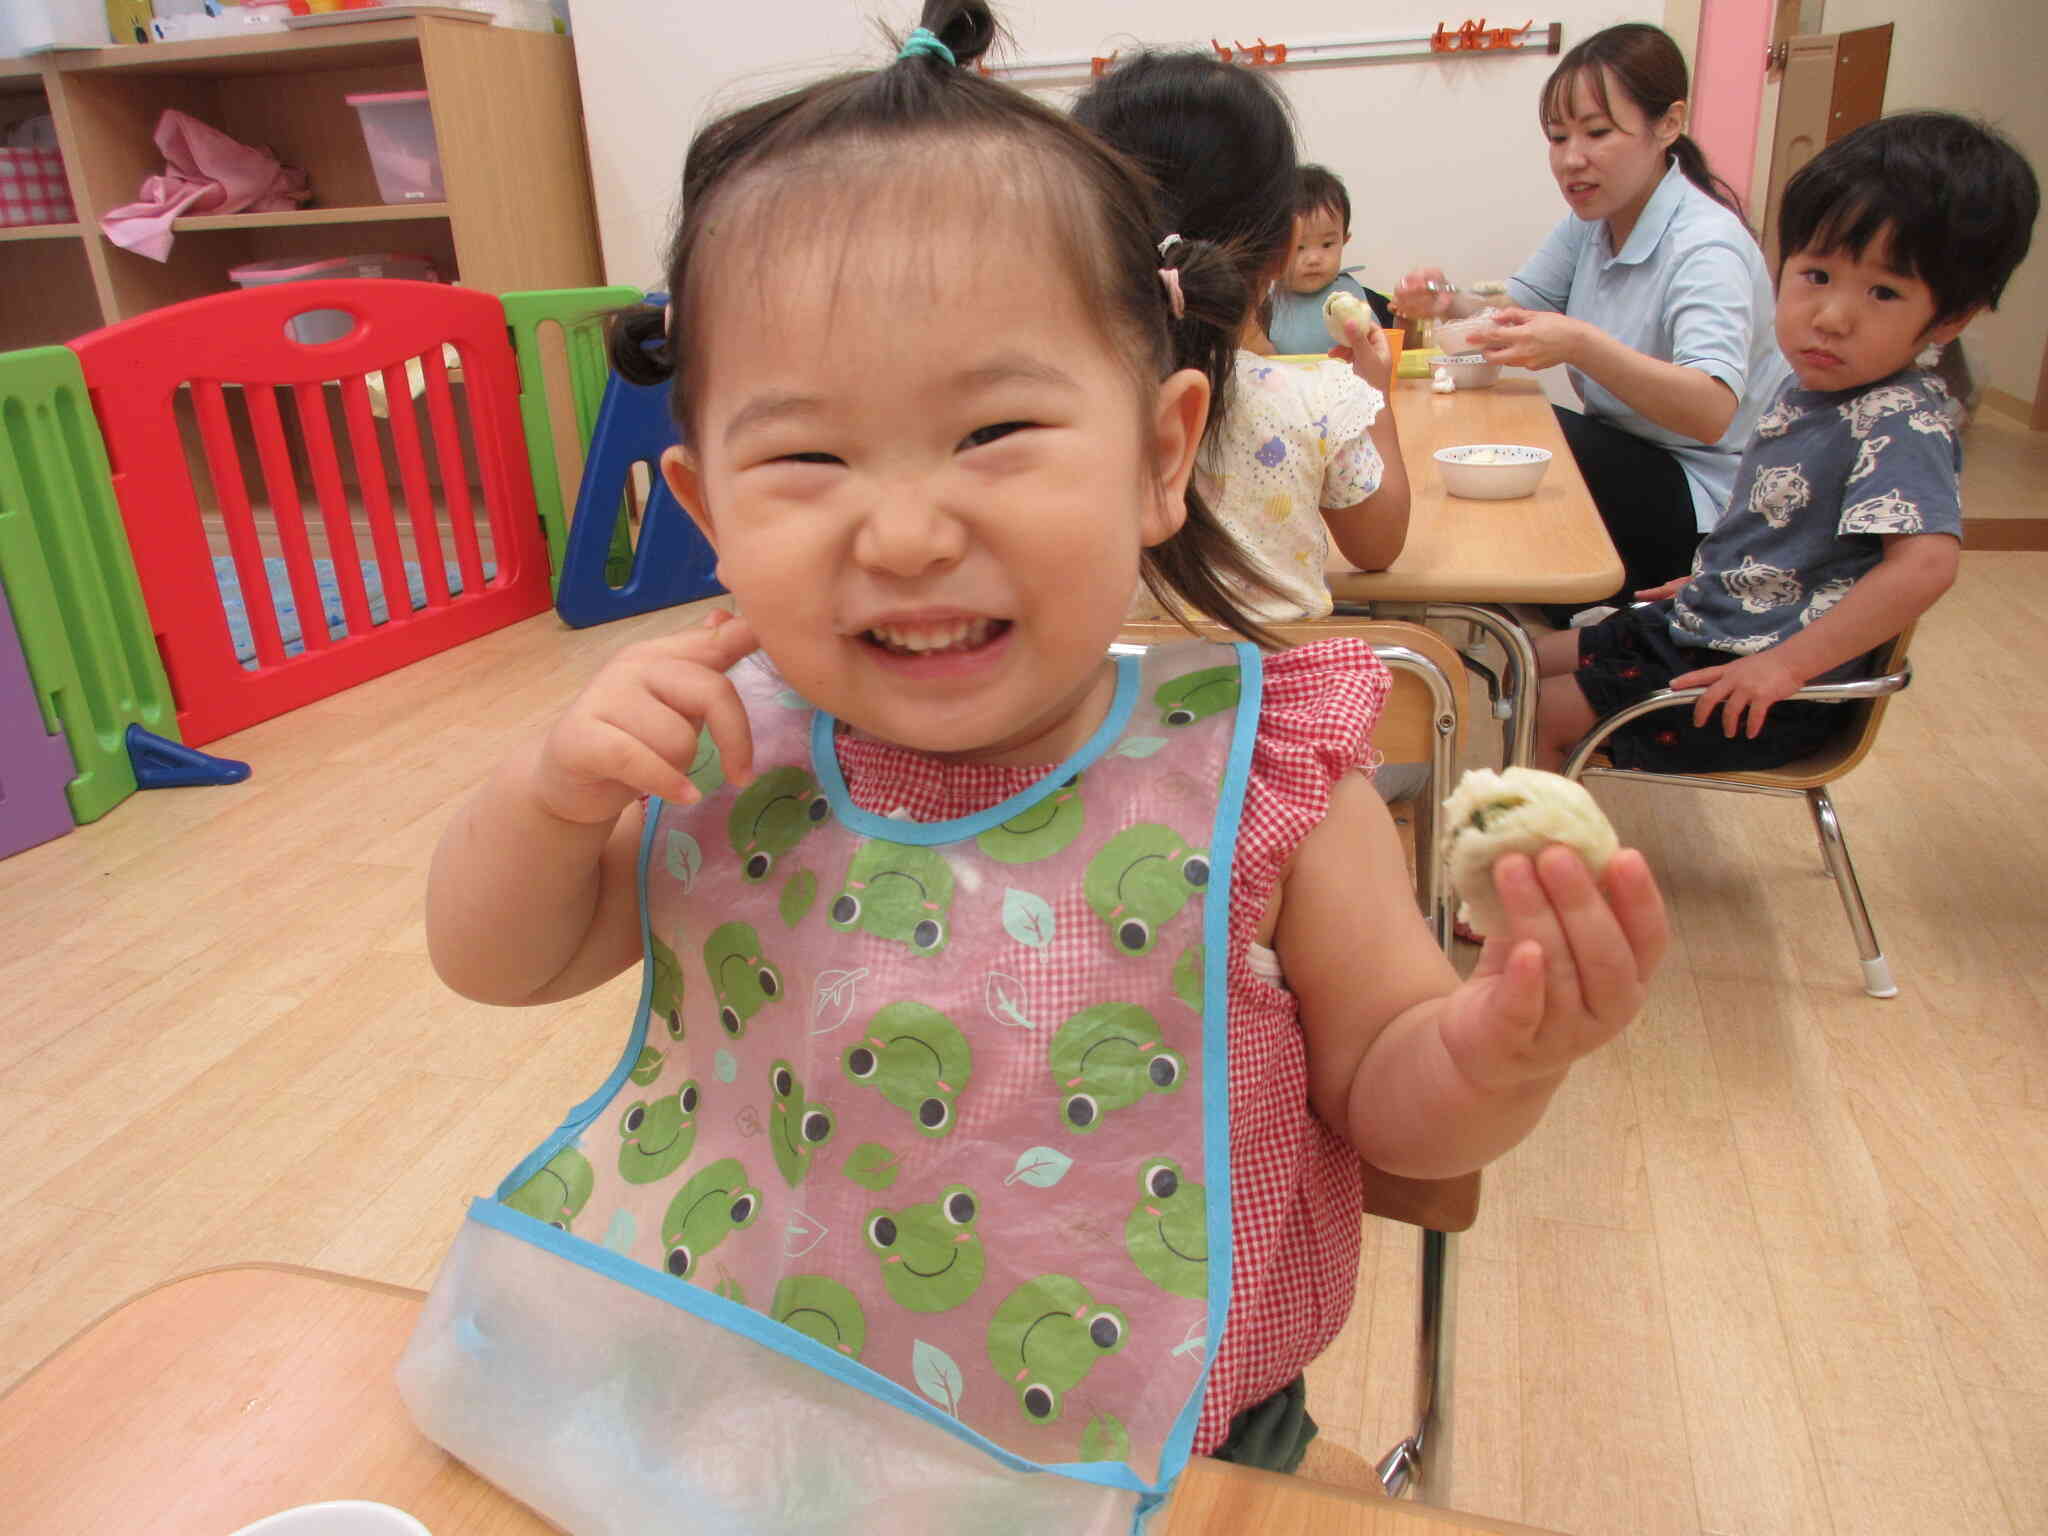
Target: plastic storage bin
[(318, 325), (34, 26), (398, 127)]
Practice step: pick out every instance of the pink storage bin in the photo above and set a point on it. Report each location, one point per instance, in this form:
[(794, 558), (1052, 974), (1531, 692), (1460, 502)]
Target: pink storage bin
[(398, 127), (318, 325)]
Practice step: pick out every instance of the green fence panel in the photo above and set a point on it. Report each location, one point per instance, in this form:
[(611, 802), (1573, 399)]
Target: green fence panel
[(64, 558), (580, 312)]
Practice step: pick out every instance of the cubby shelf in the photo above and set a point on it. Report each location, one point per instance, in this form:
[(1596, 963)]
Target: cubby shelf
[(518, 212)]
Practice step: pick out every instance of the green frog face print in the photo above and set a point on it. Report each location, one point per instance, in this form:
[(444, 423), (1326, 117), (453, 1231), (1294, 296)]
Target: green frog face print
[(718, 1200), (896, 892), (1040, 831), (1167, 1235), (1141, 879), (821, 1308), (655, 1138), (796, 1128), (558, 1190), (1108, 1057), (1045, 1338), (740, 975), (771, 816), (665, 1003), (1197, 695), (917, 1059), (932, 1261)]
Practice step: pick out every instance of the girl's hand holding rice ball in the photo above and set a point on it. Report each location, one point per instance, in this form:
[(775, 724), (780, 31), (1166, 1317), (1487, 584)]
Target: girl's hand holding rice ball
[(1573, 922)]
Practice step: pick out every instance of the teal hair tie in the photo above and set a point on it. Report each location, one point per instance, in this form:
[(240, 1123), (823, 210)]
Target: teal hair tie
[(925, 40)]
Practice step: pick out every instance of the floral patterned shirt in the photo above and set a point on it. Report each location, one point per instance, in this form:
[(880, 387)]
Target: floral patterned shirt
[(1830, 473), (1294, 441)]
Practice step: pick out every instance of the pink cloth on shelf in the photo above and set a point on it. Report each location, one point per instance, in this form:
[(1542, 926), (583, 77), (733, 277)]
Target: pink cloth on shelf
[(205, 171)]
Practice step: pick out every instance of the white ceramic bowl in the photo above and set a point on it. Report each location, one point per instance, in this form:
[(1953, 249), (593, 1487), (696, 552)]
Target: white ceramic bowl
[(337, 1517), (1469, 370), (1492, 471)]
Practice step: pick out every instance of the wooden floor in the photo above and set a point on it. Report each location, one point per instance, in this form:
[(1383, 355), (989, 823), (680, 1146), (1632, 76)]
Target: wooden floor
[(1776, 1263)]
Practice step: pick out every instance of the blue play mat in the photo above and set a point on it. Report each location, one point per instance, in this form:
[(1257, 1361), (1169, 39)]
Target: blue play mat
[(330, 600)]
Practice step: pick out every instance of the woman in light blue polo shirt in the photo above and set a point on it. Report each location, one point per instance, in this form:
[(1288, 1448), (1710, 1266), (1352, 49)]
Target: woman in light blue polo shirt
[(1652, 293)]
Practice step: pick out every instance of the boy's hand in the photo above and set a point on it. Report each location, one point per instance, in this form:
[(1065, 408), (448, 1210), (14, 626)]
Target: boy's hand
[(633, 729), (1670, 588), (1369, 354), (1530, 338), (1752, 684), (1572, 969)]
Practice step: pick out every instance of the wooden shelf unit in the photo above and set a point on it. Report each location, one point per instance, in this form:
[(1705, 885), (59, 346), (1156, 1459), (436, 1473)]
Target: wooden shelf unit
[(507, 116)]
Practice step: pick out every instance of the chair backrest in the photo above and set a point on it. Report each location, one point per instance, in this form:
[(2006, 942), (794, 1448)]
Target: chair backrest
[(231, 356), (1858, 732)]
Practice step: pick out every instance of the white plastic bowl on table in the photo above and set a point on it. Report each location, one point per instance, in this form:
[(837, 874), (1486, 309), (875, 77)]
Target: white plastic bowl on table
[(1469, 370), (1492, 471)]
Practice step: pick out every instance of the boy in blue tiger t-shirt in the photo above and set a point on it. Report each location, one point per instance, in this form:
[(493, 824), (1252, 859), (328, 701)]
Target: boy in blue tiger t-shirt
[(1845, 524)]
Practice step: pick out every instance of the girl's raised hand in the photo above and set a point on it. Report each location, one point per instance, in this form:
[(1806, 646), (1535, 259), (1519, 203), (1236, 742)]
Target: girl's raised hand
[(1573, 967), (1368, 353), (633, 729)]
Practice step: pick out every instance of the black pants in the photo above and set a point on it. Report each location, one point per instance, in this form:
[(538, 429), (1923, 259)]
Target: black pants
[(1644, 499), (1273, 1434)]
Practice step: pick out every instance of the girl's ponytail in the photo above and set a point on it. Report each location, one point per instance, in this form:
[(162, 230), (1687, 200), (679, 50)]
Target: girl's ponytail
[(638, 343)]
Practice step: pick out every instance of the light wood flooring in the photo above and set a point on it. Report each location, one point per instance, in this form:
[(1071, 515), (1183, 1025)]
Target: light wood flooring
[(1776, 1263)]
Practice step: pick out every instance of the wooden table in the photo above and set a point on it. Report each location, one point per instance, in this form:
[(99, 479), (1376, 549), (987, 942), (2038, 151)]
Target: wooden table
[(1547, 548), (207, 1403)]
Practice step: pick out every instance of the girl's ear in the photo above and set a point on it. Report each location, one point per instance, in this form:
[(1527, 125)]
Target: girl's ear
[(687, 486), (1181, 414)]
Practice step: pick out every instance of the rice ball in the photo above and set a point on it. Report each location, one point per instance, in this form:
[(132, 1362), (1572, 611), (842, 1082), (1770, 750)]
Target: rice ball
[(1340, 307), (1519, 810)]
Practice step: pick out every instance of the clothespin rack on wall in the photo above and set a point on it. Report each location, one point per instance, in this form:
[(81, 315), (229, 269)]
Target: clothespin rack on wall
[(1467, 38)]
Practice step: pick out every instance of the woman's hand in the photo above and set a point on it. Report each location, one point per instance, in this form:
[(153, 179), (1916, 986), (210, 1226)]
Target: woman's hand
[(1530, 338), (1423, 292), (633, 730), (1573, 967)]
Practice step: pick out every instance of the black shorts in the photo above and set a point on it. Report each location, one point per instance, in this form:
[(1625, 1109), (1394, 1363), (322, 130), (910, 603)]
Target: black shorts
[(1632, 655)]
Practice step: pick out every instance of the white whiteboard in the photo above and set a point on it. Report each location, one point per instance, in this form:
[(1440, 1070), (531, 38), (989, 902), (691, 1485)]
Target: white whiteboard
[(1443, 158)]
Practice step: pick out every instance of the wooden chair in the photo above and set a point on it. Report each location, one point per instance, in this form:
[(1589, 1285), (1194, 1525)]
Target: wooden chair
[(1424, 720), (1808, 777)]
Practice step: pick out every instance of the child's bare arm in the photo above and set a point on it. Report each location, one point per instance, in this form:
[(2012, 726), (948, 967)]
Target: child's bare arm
[(532, 893), (1371, 533), (1917, 568), (1424, 1075)]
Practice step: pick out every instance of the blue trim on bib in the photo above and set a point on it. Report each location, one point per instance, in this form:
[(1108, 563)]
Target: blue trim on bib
[(1251, 674), (762, 1329), (925, 834), (579, 1117)]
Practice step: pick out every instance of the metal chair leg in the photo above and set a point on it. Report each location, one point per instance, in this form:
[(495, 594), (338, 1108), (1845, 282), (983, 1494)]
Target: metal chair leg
[(1877, 971), (1407, 1463)]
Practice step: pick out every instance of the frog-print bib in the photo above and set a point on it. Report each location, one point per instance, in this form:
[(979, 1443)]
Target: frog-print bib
[(935, 1109)]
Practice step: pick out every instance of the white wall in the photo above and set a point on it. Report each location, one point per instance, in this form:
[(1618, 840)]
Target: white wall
[(1443, 158), (1981, 57)]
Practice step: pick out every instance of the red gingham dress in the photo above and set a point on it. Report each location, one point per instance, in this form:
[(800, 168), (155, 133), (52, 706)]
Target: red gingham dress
[(1296, 1201)]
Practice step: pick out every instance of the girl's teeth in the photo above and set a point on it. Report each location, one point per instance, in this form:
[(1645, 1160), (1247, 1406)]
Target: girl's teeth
[(957, 635)]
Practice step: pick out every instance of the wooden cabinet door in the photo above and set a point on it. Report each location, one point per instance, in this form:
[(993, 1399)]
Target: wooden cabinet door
[(1833, 82)]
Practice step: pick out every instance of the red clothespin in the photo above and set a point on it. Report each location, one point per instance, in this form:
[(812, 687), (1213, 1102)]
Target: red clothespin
[(1511, 37), (1441, 41), (1097, 68), (1470, 33), (1276, 53), (1222, 52)]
